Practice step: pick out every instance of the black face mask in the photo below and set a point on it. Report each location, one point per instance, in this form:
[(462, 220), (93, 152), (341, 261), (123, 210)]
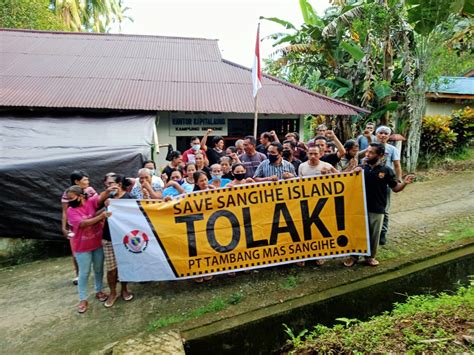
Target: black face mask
[(286, 154), (272, 158), (74, 203), (239, 177)]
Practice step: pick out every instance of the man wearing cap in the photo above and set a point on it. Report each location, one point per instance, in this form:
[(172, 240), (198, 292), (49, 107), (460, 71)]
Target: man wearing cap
[(392, 160)]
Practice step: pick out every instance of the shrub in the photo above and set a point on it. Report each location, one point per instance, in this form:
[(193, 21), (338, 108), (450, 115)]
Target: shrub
[(463, 125), (437, 137)]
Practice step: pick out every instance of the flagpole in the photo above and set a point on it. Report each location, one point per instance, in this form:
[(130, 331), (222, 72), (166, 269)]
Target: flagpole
[(255, 118), (256, 80)]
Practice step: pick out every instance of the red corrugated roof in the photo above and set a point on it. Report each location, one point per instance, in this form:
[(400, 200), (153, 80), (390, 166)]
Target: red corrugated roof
[(136, 72)]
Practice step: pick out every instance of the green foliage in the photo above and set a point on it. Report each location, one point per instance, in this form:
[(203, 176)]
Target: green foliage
[(295, 339), (217, 304), (90, 15), (437, 137), (29, 14), (463, 125), (424, 323), (444, 135)]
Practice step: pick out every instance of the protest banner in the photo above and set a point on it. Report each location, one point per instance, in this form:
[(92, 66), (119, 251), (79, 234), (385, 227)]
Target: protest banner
[(239, 228)]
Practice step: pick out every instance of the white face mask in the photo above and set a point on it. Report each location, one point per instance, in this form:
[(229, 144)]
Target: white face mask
[(152, 171), (216, 176)]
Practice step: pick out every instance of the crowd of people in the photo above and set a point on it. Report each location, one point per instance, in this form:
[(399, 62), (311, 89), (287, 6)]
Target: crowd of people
[(84, 218)]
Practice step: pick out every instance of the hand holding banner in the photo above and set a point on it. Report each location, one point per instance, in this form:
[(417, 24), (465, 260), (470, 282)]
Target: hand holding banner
[(239, 228)]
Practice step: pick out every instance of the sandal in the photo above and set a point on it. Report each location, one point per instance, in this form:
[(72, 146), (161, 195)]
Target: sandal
[(349, 262), (320, 262), (300, 263), (129, 297), (82, 308), (371, 262), (101, 296), (232, 275), (110, 301), (199, 280), (208, 278)]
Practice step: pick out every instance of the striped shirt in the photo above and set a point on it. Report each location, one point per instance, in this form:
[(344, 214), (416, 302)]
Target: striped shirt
[(265, 169)]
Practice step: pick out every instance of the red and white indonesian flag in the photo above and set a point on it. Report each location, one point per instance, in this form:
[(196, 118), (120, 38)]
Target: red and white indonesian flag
[(256, 69)]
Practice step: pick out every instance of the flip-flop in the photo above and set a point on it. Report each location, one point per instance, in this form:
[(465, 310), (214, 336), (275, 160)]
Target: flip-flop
[(320, 262), (129, 297), (208, 278), (371, 262), (101, 296), (82, 308), (110, 301), (349, 262)]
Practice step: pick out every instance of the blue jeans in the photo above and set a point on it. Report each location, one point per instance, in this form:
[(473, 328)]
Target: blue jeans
[(85, 260)]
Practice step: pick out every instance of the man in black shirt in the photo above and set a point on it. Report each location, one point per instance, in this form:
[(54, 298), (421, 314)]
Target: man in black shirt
[(377, 178), (322, 142)]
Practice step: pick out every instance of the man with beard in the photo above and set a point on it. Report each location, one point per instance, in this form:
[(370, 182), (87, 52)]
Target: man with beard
[(392, 160), (378, 178), (289, 148)]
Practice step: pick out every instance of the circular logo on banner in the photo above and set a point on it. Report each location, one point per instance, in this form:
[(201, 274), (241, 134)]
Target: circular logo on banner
[(136, 241)]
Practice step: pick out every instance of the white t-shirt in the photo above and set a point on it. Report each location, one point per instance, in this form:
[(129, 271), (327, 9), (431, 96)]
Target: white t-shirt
[(310, 170)]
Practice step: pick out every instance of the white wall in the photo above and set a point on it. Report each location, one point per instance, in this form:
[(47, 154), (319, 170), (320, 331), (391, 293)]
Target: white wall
[(163, 130), (442, 108)]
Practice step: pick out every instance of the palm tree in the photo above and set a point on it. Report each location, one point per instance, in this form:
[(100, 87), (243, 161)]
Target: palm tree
[(89, 15)]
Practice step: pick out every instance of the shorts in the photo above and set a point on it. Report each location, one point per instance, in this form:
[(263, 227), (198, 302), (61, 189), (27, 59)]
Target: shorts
[(109, 256)]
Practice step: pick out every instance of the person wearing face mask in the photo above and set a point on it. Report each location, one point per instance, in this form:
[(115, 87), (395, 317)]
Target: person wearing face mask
[(377, 178), (274, 168), (86, 221), (217, 179), (80, 178), (189, 155), (239, 172), (176, 186), (289, 148)]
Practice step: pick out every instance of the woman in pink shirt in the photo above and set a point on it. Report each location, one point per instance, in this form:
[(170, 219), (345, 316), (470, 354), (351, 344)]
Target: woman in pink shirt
[(80, 178), (87, 226)]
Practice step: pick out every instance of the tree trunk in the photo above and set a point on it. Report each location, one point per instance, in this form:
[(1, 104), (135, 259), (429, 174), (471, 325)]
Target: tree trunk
[(387, 73), (417, 106)]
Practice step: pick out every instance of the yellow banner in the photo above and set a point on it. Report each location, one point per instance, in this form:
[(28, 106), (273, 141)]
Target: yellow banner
[(259, 225)]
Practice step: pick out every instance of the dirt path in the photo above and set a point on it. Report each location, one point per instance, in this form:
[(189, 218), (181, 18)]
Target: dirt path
[(38, 299)]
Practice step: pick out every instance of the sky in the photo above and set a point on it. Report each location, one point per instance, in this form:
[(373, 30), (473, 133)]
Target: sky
[(232, 22)]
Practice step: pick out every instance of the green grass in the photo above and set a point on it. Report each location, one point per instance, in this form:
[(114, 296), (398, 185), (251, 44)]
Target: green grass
[(436, 161), (461, 231), (424, 323), (215, 305), (289, 283)]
